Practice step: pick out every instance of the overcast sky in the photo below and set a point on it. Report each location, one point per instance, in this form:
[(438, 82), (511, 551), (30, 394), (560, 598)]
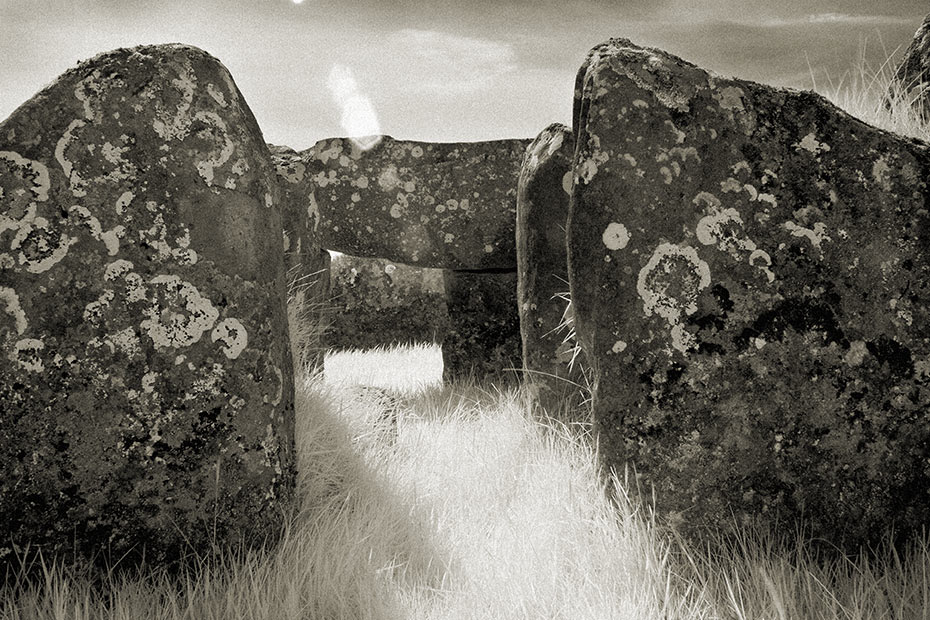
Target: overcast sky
[(443, 70)]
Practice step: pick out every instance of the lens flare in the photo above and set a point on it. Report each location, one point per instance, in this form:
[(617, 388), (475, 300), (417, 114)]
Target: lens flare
[(359, 119)]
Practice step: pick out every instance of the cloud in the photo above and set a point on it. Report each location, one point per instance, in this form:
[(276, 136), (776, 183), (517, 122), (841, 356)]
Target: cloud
[(445, 63), (834, 19)]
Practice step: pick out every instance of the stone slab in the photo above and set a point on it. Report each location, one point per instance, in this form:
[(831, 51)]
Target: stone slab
[(750, 274), (552, 364), (448, 205), (145, 375)]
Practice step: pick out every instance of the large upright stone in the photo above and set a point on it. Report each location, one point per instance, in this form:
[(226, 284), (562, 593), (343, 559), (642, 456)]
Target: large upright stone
[(483, 339), (550, 363), (750, 272), (379, 303), (145, 376), (448, 206), (912, 77), (307, 264)]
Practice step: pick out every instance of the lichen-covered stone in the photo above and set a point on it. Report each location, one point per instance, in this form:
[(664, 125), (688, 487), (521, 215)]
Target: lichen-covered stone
[(483, 340), (750, 274), (446, 206), (378, 303), (551, 365), (145, 375), (307, 264), (912, 77)]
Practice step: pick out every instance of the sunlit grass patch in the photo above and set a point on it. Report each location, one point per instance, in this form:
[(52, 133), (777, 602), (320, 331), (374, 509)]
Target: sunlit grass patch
[(409, 369)]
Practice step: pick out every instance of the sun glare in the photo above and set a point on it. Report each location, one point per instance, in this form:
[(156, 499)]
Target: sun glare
[(359, 119)]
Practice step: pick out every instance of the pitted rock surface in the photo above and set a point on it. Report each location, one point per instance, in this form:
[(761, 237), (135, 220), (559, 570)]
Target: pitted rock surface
[(145, 374), (913, 74), (750, 278), (379, 303), (483, 340), (307, 264), (550, 362), (446, 206)]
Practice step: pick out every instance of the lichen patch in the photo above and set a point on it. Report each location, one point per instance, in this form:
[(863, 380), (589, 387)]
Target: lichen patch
[(22, 181), (38, 246), (669, 285), (217, 95), (816, 236), (615, 236), (75, 182), (123, 201), (730, 98), (27, 354), (881, 172), (12, 305), (179, 314), (173, 123), (223, 146), (388, 179), (233, 335), (812, 145)]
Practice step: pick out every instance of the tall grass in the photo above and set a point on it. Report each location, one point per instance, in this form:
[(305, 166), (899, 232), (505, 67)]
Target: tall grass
[(871, 93)]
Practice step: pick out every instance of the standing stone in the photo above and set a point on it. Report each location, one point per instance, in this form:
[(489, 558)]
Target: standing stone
[(379, 303), (550, 363), (750, 273), (447, 206), (145, 376), (307, 264), (912, 78), (483, 340)]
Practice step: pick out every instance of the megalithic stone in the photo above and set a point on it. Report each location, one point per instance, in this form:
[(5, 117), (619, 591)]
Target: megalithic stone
[(912, 77), (483, 340), (145, 376), (552, 366), (380, 303), (750, 274), (449, 206), (307, 264)]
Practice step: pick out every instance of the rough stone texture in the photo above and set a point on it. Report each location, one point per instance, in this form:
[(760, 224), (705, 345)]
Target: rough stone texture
[(913, 74), (145, 376), (446, 206), (306, 262), (483, 340), (550, 363), (379, 303), (749, 271)]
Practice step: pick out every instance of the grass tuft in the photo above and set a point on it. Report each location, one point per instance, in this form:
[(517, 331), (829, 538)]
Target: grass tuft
[(871, 94)]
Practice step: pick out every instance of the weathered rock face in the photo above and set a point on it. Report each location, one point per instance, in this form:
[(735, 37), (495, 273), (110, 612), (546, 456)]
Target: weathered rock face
[(145, 374), (913, 74), (378, 303), (484, 328), (550, 362), (429, 205), (750, 277), (307, 264)]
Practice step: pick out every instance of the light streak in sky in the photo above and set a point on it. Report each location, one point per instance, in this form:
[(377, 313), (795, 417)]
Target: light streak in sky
[(359, 119)]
